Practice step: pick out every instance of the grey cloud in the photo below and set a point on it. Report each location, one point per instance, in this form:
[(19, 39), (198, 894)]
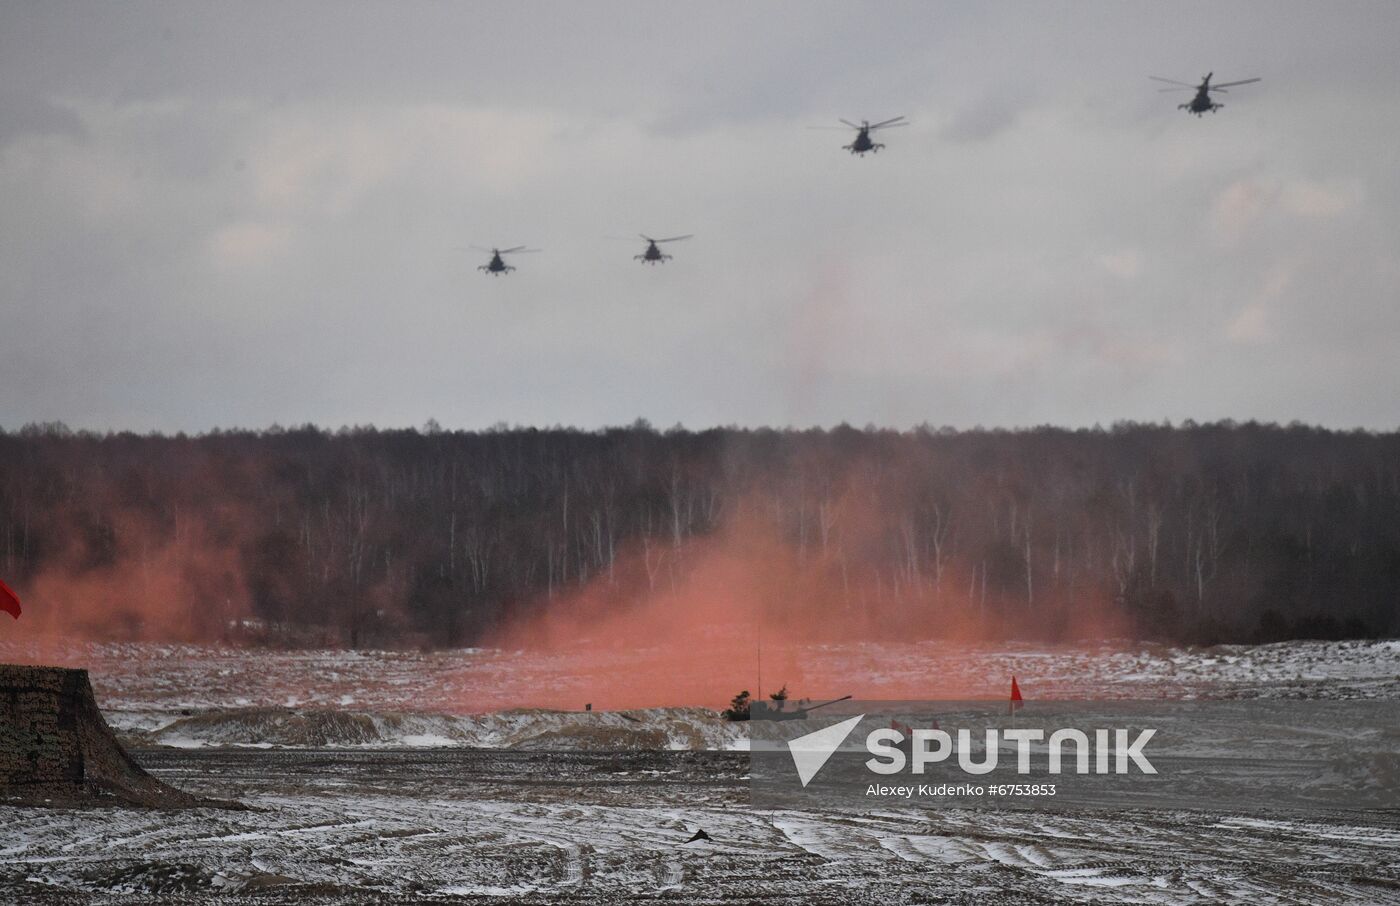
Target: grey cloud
[(28, 114), (223, 214)]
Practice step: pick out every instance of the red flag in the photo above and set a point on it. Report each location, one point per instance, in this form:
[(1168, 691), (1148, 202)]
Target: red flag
[(9, 601), (907, 730), (1016, 700)]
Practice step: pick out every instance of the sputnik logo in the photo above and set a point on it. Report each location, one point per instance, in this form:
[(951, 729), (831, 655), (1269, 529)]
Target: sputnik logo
[(810, 752)]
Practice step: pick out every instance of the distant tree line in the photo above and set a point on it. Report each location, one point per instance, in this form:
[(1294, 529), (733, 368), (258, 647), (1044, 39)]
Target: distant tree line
[(1195, 533)]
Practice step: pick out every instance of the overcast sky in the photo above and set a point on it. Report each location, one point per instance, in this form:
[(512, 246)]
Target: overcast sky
[(235, 214)]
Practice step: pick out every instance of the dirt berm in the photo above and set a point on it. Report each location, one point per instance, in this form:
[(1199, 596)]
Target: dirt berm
[(57, 750)]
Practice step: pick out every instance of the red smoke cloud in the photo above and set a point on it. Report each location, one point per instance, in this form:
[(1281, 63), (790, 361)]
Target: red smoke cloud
[(144, 592), (756, 604), (746, 609)]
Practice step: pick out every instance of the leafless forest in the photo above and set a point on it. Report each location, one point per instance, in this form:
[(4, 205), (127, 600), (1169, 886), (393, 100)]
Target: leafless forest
[(1195, 533)]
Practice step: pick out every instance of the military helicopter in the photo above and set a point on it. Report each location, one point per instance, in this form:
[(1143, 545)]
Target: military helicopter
[(1201, 102), (862, 141), (497, 265), (653, 255)]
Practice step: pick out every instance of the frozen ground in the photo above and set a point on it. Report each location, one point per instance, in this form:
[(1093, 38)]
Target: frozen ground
[(480, 825), (145, 686), (448, 820), (643, 729)]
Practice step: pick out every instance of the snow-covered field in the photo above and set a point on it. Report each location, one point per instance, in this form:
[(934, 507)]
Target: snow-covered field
[(457, 825), (526, 728), (398, 776), (148, 687)]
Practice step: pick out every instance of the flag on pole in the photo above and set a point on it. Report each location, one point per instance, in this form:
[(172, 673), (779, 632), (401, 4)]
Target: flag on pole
[(9, 601), (1016, 701)]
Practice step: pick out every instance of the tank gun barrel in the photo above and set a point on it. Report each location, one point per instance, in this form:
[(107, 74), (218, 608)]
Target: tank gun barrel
[(824, 704)]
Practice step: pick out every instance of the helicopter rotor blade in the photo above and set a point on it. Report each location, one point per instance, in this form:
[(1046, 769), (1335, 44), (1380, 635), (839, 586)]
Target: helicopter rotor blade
[(478, 248), (888, 122), (888, 126), (1232, 84), (674, 238), (1164, 90), (1172, 81), (831, 128), (851, 124), (518, 248)]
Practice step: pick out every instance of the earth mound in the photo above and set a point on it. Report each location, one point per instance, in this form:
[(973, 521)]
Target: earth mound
[(56, 749), (646, 729)]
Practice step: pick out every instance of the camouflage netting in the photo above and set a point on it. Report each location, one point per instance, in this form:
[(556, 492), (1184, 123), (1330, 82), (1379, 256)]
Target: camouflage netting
[(56, 749)]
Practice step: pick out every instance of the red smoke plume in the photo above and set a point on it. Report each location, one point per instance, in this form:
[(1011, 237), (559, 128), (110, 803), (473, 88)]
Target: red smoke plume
[(746, 609), (145, 591)]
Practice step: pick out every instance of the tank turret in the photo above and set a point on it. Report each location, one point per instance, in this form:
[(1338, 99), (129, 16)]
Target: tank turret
[(763, 711)]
